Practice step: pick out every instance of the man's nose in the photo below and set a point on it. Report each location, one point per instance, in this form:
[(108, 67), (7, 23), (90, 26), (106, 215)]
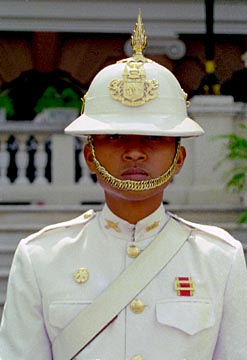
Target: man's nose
[(134, 151)]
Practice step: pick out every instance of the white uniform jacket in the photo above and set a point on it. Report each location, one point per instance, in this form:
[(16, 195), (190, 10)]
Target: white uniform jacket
[(208, 322)]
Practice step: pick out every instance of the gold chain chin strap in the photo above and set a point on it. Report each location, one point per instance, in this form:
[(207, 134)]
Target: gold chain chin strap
[(132, 185)]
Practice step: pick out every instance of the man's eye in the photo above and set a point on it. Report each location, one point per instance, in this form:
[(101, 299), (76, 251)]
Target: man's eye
[(154, 137), (115, 137)]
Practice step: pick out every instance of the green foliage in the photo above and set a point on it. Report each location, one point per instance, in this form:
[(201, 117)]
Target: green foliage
[(52, 99), (243, 218), (7, 103), (236, 153)]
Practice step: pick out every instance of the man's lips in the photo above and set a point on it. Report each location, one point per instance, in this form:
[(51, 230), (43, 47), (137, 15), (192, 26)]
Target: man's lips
[(135, 174)]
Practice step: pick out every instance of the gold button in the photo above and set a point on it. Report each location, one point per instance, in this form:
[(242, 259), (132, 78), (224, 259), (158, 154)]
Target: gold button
[(81, 275), (137, 357), (87, 215), (137, 306), (133, 251)]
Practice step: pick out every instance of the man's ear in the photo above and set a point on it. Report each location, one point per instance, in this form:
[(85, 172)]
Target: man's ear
[(181, 159), (89, 159)]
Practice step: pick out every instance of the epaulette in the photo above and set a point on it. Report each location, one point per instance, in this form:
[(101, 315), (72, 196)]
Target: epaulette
[(79, 220), (211, 230)]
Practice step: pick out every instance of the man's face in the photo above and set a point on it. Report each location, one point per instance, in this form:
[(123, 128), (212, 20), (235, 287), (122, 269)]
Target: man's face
[(134, 157)]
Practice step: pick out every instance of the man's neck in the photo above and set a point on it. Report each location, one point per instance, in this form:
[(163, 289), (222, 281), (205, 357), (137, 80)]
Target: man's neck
[(132, 211)]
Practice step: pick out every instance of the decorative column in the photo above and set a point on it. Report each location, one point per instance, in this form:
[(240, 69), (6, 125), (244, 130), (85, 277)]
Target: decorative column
[(21, 159), (4, 159), (40, 159)]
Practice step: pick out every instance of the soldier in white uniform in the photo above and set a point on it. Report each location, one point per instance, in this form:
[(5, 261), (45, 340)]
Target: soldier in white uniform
[(132, 282)]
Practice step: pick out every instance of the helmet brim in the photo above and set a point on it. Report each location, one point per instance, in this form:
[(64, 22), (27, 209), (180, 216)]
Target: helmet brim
[(84, 126)]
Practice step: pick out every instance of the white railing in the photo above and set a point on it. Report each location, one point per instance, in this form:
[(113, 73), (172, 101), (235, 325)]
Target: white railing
[(61, 176), (49, 169)]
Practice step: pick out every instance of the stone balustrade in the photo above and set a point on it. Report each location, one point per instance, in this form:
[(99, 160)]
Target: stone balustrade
[(40, 164)]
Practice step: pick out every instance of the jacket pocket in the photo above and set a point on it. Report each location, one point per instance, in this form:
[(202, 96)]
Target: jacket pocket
[(62, 312), (190, 317)]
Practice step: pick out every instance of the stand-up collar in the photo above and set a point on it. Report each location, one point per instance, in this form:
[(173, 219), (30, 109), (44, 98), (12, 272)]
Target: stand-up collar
[(145, 228)]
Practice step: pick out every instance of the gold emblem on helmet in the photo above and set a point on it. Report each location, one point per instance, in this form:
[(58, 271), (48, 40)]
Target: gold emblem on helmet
[(134, 89)]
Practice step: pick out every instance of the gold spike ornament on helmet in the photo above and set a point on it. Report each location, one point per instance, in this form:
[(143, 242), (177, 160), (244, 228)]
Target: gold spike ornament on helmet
[(135, 96), (139, 38)]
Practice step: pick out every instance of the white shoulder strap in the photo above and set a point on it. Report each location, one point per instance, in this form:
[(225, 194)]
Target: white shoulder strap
[(91, 321)]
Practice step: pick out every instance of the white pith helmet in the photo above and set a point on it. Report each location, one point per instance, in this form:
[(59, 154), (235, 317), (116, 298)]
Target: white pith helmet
[(135, 96)]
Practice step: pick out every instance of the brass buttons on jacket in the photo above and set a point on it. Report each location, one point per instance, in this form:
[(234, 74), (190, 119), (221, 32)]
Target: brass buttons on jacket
[(88, 214), (137, 306), (133, 251), (81, 275), (137, 357)]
